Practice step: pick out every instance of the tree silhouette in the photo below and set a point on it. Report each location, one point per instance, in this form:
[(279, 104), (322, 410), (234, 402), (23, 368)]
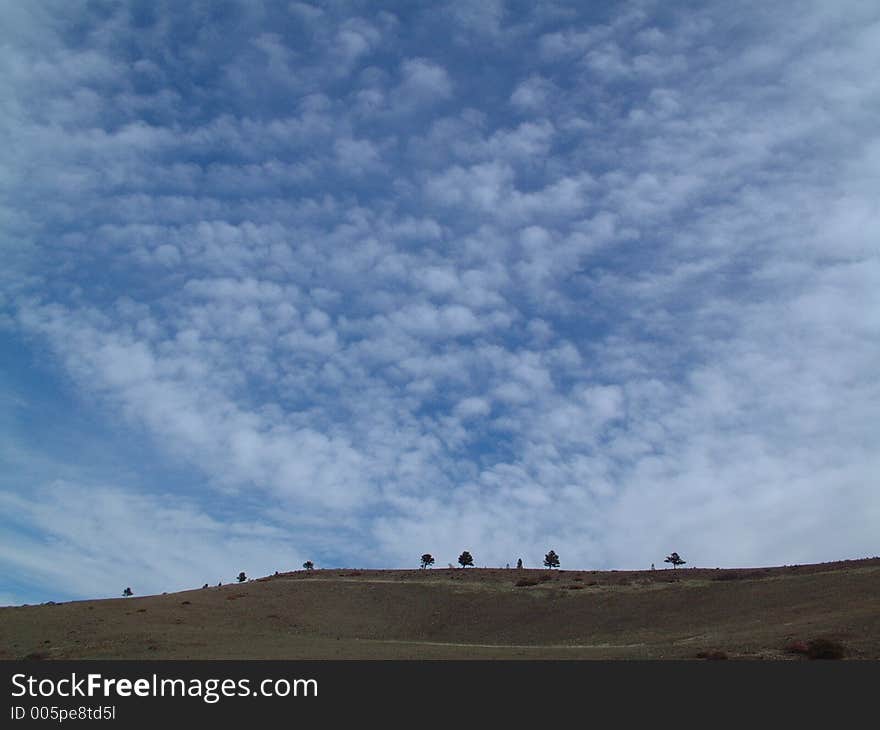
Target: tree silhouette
[(551, 560), (675, 559), (519, 563), (465, 559), (427, 559), (309, 565), (127, 592), (242, 577)]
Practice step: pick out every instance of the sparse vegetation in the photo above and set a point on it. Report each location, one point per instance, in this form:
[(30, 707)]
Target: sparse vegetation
[(796, 615), (823, 648), (728, 575), (819, 648), (712, 654)]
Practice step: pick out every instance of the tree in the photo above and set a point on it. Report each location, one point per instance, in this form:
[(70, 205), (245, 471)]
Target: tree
[(519, 564), (127, 592), (675, 559), (309, 565), (427, 559), (465, 559), (242, 577), (551, 560)]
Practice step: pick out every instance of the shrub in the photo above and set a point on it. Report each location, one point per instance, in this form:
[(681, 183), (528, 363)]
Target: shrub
[(712, 654), (825, 649), (522, 582), (544, 578)]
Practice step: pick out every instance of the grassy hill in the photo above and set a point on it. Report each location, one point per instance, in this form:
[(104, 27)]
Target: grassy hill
[(471, 614)]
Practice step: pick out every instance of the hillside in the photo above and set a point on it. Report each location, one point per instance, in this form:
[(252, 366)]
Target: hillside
[(470, 613)]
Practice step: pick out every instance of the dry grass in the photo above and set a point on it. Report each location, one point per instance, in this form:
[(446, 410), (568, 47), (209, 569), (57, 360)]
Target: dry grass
[(473, 613)]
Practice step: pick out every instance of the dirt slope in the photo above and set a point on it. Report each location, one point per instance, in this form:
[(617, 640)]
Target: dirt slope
[(473, 613)]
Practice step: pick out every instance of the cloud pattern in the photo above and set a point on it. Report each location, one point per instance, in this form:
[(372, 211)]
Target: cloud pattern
[(353, 282)]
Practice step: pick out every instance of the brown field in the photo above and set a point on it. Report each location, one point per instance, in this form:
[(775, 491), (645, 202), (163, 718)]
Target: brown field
[(748, 613)]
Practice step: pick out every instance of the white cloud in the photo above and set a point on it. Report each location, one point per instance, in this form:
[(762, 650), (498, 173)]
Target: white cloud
[(533, 94), (112, 538), (356, 155), (472, 407), (423, 82)]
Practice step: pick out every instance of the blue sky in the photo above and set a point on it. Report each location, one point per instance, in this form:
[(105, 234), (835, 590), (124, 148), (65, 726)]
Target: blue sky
[(352, 282)]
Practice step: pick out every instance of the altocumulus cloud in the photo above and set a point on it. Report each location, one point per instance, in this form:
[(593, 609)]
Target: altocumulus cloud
[(352, 282)]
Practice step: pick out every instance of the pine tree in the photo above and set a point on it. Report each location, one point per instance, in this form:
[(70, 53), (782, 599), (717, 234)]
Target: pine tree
[(465, 559), (427, 559), (551, 560)]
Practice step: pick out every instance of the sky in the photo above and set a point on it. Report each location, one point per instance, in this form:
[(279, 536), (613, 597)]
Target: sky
[(354, 281)]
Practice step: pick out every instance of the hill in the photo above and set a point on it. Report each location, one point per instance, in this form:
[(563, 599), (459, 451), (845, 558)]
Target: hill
[(471, 614)]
